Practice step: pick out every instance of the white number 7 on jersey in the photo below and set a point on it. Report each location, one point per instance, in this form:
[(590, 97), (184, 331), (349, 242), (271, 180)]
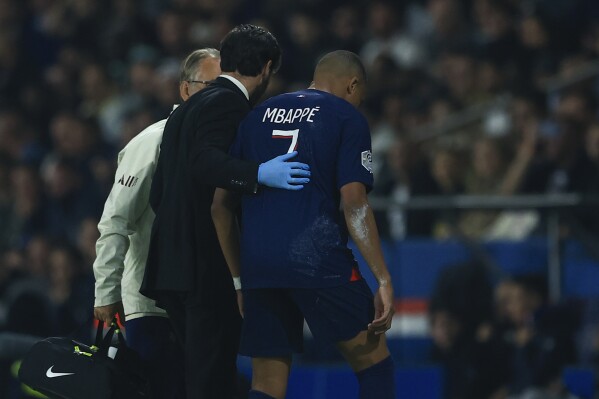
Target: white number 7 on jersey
[(283, 134)]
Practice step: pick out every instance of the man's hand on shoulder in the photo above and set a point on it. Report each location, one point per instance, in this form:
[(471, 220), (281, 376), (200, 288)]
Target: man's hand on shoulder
[(278, 173), (107, 313)]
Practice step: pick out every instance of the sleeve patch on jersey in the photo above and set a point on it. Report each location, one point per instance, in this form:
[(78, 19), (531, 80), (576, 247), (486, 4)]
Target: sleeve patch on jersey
[(367, 160), (128, 181)]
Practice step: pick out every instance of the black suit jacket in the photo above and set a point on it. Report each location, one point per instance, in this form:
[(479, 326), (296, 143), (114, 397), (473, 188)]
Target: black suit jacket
[(184, 253)]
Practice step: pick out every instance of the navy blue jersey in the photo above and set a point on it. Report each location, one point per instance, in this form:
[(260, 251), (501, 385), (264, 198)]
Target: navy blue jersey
[(295, 238)]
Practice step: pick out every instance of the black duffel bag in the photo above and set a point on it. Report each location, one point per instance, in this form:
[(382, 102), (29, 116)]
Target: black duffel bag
[(62, 368)]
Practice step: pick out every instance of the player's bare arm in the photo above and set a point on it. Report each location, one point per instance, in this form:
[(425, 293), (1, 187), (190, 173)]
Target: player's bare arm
[(223, 210), (362, 229)]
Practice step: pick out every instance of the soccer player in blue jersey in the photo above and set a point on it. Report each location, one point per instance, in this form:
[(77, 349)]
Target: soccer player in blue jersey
[(292, 257)]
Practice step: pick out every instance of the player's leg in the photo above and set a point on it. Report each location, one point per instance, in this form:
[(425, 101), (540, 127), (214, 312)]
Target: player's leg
[(340, 316), (153, 339), (272, 332), (364, 350), (269, 377), (369, 357)]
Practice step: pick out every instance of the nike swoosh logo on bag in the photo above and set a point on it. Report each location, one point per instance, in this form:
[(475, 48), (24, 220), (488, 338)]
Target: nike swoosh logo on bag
[(51, 374)]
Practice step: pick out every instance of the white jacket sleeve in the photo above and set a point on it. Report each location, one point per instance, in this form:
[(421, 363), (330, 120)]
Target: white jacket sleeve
[(127, 201)]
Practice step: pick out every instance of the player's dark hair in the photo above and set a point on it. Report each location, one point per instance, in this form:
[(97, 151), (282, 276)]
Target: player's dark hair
[(247, 48), (342, 60), (357, 63)]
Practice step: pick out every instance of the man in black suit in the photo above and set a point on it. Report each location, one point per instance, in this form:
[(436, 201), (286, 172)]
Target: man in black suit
[(186, 272)]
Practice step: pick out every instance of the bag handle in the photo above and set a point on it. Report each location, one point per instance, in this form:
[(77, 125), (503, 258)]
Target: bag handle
[(121, 337), (103, 342), (99, 333)]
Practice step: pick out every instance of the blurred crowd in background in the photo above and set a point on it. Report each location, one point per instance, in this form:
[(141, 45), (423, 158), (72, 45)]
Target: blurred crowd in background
[(506, 340), (80, 78)]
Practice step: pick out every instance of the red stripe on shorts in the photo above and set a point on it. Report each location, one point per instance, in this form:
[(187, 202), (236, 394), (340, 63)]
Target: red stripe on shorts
[(355, 275)]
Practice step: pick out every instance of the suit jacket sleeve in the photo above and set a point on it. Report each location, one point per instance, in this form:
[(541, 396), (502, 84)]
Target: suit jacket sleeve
[(215, 131)]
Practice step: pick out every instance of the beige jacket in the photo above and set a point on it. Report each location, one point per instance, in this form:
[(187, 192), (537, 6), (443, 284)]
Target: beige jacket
[(125, 226)]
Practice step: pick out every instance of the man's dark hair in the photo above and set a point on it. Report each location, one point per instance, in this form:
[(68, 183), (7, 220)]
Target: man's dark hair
[(247, 48)]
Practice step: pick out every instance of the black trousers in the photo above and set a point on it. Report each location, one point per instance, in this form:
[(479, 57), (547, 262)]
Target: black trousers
[(208, 327), (152, 338)]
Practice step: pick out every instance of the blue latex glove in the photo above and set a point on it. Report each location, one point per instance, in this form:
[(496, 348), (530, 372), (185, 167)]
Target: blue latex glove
[(278, 173)]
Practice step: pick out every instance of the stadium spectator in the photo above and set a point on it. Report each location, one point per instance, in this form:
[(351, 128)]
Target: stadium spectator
[(86, 242), (126, 27), (563, 165), (391, 126), (101, 101), (493, 173), (306, 44), (449, 25), (346, 28), (541, 337), (446, 168), (386, 36), (71, 198), (172, 33), (28, 206), (402, 176), (458, 72), (70, 290), (465, 343)]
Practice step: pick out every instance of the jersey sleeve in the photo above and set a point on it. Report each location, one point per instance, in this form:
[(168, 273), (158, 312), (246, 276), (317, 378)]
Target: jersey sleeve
[(354, 161)]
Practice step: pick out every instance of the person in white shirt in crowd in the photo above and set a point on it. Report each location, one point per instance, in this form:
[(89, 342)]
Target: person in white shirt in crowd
[(122, 248)]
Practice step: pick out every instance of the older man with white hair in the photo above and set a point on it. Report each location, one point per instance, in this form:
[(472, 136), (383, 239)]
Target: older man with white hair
[(122, 248)]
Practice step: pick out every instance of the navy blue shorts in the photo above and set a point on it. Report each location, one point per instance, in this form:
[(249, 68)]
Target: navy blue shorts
[(274, 317)]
